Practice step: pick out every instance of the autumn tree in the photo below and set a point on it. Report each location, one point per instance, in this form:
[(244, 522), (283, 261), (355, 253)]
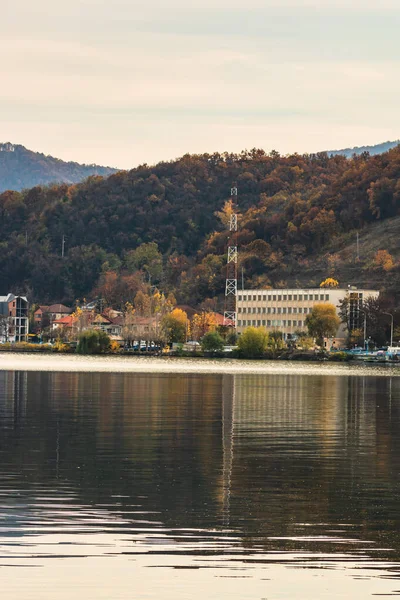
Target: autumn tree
[(383, 260), (330, 282), (322, 321), (202, 323), (174, 326)]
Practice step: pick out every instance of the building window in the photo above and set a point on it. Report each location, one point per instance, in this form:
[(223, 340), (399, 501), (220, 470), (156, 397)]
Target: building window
[(240, 298), (289, 323), (259, 309), (289, 310), (300, 297), (258, 323), (254, 309), (279, 310), (284, 323), (327, 297), (274, 298), (263, 323), (239, 323), (269, 310), (321, 297), (239, 309), (290, 297), (294, 296), (279, 298), (284, 298), (253, 323), (259, 298), (264, 310), (244, 309), (305, 296), (294, 310), (268, 323), (254, 297), (273, 310), (284, 310)]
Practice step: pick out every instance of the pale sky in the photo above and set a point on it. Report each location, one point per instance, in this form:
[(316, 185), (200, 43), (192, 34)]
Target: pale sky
[(125, 82)]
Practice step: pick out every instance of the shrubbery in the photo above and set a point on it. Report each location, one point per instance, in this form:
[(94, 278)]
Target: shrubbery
[(93, 341)]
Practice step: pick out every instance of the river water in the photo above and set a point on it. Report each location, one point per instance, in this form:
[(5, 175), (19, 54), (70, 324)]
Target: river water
[(194, 485)]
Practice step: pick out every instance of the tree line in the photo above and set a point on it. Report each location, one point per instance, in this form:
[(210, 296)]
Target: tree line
[(163, 226)]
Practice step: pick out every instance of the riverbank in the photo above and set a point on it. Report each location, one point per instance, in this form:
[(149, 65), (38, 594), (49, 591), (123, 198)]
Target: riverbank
[(119, 364)]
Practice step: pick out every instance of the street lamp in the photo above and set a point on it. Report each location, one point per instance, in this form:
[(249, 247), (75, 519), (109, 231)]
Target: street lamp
[(365, 326), (391, 327)]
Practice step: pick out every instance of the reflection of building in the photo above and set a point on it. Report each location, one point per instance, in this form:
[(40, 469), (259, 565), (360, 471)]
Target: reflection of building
[(14, 324), (286, 310)]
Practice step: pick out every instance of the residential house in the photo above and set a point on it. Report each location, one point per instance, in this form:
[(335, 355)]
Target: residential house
[(112, 325), (14, 318), (45, 316)]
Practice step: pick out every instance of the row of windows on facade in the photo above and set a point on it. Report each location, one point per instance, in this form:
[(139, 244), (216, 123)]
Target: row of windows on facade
[(272, 310), (268, 323), (283, 298)]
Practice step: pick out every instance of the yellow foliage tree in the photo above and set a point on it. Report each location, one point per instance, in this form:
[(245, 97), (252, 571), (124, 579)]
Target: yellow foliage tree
[(329, 283), (384, 260), (202, 323), (225, 214)]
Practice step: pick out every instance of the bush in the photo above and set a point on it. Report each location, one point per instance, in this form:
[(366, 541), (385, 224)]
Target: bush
[(93, 341), (253, 342)]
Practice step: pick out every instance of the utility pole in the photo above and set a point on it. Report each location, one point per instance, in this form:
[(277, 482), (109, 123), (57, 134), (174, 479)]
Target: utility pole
[(63, 246), (230, 312), (358, 246)]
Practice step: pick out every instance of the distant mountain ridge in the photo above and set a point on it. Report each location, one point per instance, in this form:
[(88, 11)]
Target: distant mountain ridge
[(21, 168), (377, 149)]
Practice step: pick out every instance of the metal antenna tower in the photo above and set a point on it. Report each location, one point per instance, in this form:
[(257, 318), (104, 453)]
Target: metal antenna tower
[(230, 314)]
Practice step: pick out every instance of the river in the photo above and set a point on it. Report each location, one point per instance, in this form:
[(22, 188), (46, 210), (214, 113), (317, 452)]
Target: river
[(188, 480)]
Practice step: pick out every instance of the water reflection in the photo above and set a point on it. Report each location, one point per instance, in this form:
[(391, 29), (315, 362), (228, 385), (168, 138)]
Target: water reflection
[(233, 475)]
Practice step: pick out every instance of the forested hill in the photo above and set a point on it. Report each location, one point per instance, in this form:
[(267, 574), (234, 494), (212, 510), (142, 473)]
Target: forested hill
[(158, 226), (21, 168), (377, 149)]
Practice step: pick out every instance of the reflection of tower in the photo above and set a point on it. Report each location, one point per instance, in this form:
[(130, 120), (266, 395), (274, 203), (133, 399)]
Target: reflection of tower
[(231, 267), (228, 401)]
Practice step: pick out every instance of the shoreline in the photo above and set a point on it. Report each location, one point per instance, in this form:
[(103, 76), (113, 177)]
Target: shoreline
[(35, 362)]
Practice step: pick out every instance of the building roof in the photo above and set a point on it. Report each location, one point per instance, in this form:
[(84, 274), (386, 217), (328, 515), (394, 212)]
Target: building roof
[(59, 308), (42, 308), (101, 319), (67, 321)]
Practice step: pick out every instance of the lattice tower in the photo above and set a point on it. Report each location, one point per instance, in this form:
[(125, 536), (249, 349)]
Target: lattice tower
[(230, 312)]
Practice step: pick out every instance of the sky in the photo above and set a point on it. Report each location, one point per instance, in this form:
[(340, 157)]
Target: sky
[(127, 82)]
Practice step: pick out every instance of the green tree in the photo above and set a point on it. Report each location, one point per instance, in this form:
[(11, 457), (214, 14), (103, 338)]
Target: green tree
[(253, 342), (322, 321), (146, 258), (212, 342), (93, 341), (174, 326)]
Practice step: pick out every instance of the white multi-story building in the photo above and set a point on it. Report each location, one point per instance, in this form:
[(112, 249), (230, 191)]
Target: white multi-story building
[(285, 310)]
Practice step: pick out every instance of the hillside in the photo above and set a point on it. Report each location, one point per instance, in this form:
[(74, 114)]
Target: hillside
[(159, 226), (21, 168), (377, 149)]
